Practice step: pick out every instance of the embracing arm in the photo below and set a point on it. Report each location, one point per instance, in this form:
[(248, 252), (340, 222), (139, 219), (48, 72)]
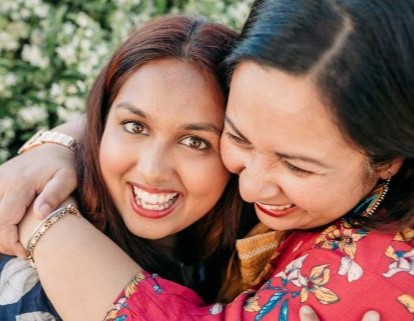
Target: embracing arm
[(46, 173), (81, 270)]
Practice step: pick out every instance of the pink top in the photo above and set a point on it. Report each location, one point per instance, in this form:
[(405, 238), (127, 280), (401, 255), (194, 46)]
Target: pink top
[(340, 271)]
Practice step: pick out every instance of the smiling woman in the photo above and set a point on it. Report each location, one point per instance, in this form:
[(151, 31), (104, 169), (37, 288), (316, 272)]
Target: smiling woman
[(166, 122), (320, 129), (302, 151), (149, 164)]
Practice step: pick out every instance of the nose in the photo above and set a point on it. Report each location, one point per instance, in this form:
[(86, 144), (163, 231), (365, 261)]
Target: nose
[(154, 164), (256, 182)]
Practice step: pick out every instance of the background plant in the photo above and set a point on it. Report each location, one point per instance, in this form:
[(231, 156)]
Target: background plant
[(51, 51)]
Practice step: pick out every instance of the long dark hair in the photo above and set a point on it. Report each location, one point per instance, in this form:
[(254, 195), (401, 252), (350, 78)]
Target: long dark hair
[(360, 56), (188, 39)]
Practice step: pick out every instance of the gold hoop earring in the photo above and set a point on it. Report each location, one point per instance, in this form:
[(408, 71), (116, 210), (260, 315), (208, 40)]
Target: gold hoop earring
[(377, 196)]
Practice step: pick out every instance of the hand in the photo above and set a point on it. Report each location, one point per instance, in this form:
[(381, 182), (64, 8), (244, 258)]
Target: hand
[(47, 171), (306, 313)]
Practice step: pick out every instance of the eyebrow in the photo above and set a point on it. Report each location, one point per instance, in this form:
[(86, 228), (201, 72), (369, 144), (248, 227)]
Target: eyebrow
[(227, 120), (191, 126), (133, 109), (302, 158), (203, 127)]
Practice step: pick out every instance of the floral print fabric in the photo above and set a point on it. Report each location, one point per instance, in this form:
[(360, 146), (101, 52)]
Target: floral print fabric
[(340, 271), (21, 295)]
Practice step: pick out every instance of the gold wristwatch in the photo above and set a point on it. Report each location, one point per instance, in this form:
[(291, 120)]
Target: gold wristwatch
[(46, 136)]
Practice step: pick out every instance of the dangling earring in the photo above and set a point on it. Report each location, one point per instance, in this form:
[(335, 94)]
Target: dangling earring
[(377, 195)]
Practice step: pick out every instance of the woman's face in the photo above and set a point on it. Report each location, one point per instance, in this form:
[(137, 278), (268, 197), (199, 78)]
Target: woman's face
[(159, 153), (293, 162)]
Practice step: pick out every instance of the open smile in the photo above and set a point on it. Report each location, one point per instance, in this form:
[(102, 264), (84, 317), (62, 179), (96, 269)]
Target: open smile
[(153, 204), (276, 210)]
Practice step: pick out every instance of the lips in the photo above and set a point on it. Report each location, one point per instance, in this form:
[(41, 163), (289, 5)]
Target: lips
[(153, 203), (276, 210)]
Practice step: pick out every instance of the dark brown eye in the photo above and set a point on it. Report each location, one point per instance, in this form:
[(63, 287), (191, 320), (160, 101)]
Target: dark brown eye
[(134, 127), (194, 143)]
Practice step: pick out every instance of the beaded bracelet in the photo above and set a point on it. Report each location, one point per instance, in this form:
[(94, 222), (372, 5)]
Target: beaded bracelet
[(44, 226)]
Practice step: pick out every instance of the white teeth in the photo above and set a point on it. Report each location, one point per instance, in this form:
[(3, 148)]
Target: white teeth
[(276, 207), (154, 201)]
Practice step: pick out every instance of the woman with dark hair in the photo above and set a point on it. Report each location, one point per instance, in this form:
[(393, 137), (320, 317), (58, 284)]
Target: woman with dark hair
[(320, 129), (151, 177)]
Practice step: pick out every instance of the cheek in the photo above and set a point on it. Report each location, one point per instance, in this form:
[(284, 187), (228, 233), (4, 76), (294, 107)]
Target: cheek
[(111, 157), (230, 157), (205, 180)]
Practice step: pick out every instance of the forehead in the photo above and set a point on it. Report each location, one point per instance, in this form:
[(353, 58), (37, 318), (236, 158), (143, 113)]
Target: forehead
[(281, 111), (171, 87)]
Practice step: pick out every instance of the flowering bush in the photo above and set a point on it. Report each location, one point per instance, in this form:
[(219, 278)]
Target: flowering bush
[(51, 51)]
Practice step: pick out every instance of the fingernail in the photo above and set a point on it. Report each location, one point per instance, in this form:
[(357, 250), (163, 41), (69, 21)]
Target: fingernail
[(45, 209), (307, 310)]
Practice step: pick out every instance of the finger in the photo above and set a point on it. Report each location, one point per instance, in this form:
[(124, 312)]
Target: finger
[(57, 190), (10, 241), (306, 313), (19, 250), (371, 316), (13, 209)]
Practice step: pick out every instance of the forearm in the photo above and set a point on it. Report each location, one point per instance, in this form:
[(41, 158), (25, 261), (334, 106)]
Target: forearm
[(72, 128), (81, 270)]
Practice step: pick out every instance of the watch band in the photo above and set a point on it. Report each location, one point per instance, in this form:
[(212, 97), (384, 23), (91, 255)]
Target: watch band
[(46, 136)]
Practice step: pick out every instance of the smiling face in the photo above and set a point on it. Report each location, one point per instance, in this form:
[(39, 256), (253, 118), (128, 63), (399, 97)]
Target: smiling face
[(159, 153), (293, 162)]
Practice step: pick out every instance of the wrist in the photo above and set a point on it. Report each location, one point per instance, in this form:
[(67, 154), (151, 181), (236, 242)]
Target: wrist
[(31, 231), (44, 137)]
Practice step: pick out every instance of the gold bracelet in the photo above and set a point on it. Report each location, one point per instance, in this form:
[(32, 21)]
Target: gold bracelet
[(46, 136), (44, 226)]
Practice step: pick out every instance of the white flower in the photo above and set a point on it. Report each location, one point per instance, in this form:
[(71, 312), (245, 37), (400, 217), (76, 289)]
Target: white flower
[(24, 13), (216, 309), (18, 29), (74, 103), (10, 80), (7, 42), (65, 114), (85, 44), (31, 3), (67, 53), (83, 20), (4, 155), (350, 268), (292, 272), (6, 123), (32, 115), (56, 90), (8, 6), (68, 29), (41, 10), (33, 55), (404, 262)]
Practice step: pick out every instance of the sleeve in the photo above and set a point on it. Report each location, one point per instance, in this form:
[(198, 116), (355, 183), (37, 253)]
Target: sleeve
[(21, 294), (331, 282)]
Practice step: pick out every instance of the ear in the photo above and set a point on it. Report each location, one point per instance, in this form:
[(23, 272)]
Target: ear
[(393, 167)]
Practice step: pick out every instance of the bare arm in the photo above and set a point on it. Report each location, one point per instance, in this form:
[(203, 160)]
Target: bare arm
[(83, 272), (46, 173)]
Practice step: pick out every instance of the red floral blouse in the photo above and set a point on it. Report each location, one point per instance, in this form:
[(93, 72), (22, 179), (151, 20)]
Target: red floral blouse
[(340, 271)]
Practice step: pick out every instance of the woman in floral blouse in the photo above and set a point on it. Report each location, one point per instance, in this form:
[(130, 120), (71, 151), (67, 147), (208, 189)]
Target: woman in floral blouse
[(320, 129)]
